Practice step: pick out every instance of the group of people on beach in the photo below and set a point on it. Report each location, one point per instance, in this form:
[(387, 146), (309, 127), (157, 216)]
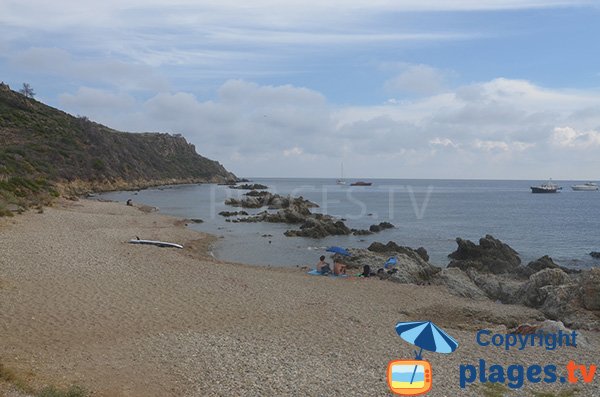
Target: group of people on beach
[(324, 267)]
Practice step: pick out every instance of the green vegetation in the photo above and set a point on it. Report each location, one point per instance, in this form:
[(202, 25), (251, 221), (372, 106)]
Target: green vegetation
[(494, 389), (9, 376), (564, 393), (73, 391), (43, 148)]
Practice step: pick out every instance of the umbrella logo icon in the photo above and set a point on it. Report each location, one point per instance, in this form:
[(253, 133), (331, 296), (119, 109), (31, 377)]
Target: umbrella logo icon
[(414, 377)]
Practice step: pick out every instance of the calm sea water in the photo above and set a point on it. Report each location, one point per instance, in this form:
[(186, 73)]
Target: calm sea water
[(428, 213)]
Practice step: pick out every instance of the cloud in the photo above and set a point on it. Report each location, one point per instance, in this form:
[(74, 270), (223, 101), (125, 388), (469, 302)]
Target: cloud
[(569, 137), (59, 62), (417, 79), (509, 128)]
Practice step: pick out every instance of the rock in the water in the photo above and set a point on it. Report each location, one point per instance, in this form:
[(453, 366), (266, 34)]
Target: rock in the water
[(491, 255), (255, 186), (361, 232), (545, 262), (232, 213), (590, 290), (423, 253), (391, 248), (595, 254), (380, 227)]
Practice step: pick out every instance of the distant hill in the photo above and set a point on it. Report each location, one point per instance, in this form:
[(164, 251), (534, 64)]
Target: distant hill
[(45, 152)]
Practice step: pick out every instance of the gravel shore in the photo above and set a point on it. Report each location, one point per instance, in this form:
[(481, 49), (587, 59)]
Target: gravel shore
[(78, 305)]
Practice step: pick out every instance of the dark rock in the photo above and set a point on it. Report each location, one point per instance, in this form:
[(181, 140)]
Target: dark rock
[(595, 254), (491, 255), (391, 248), (257, 193), (232, 213), (380, 227), (423, 253), (256, 186), (361, 232), (196, 220), (273, 201), (545, 262)]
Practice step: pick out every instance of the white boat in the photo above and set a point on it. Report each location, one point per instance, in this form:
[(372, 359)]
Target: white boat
[(585, 187)]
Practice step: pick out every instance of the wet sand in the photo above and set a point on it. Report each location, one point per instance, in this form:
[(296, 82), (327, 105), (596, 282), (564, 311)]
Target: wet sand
[(79, 305)]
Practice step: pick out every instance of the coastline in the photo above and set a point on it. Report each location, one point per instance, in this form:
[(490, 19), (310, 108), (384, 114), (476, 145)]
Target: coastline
[(80, 305)]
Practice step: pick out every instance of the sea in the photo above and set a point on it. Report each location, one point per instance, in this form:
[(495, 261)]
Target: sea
[(426, 213)]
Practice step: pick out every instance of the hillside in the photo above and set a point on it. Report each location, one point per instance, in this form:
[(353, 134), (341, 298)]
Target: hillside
[(45, 152)]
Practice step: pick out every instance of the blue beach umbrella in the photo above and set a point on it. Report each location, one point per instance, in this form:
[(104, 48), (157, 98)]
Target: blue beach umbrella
[(426, 335), (338, 250)]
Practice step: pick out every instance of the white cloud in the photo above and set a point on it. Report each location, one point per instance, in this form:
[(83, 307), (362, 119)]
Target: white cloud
[(569, 137), (58, 62), (446, 142), (285, 130), (417, 79)]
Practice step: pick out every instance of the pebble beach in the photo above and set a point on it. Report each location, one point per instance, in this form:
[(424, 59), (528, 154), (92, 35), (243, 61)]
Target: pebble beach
[(79, 305)]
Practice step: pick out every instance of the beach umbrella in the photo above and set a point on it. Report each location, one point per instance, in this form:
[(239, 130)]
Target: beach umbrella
[(426, 335), (392, 261), (338, 250)]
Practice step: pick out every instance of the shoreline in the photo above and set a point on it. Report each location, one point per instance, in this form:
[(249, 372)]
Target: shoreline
[(81, 306)]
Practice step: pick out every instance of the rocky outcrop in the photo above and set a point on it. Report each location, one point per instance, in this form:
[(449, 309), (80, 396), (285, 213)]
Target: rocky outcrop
[(490, 256), (590, 290), (459, 283), (392, 248), (270, 200), (568, 295), (255, 186), (380, 227), (233, 213), (410, 267), (291, 210), (319, 226), (595, 254)]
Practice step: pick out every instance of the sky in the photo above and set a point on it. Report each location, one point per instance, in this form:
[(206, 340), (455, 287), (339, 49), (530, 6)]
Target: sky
[(487, 89)]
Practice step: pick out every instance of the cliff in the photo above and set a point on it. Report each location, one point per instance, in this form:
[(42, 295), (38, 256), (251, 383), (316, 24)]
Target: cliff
[(45, 152)]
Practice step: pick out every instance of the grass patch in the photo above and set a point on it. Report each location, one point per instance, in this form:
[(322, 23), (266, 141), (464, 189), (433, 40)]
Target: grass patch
[(494, 389), (564, 393), (9, 376), (73, 391)]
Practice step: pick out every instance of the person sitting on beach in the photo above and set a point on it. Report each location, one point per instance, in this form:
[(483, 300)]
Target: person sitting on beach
[(338, 267), (322, 266)]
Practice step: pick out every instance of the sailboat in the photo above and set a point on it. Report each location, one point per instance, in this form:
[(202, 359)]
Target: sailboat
[(341, 181)]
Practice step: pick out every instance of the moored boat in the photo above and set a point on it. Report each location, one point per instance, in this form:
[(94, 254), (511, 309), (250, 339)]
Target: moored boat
[(547, 187), (585, 187), (361, 183)]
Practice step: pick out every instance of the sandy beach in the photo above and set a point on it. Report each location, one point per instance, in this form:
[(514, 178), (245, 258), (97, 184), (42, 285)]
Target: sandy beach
[(79, 305)]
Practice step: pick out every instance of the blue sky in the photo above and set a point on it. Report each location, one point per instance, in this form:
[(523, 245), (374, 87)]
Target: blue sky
[(405, 88)]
